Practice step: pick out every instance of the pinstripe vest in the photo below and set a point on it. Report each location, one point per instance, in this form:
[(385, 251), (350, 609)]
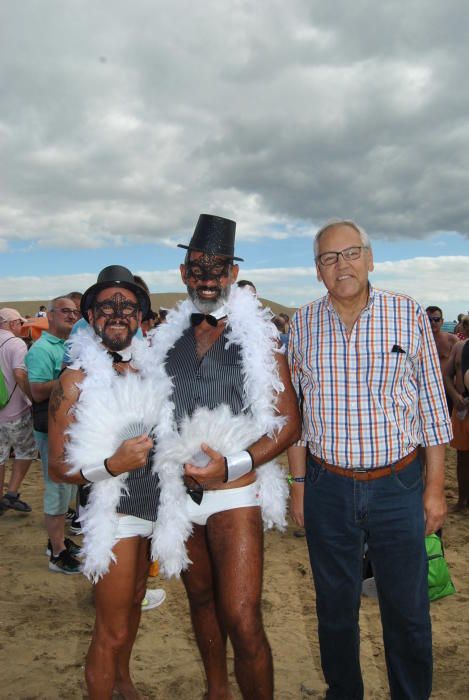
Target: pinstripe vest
[(143, 496), (215, 379)]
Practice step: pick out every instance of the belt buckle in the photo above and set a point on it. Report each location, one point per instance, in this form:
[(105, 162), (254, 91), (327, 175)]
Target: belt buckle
[(359, 470)]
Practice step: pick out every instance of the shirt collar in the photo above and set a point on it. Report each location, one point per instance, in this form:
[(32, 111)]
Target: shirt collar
[(365, 311), (52, 338)]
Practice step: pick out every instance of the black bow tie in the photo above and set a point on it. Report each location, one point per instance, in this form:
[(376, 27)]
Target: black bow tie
[(116, 357), (196, 319)]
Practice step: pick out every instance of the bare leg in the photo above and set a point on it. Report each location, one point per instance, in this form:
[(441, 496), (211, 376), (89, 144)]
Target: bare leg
[(123, 681), (55, 526), (236, 544), (210, 637), (117, 614), (462, 471), (18, 472)]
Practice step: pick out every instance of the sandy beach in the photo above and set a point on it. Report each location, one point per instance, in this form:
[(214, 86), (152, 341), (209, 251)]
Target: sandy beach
[(46, 620)]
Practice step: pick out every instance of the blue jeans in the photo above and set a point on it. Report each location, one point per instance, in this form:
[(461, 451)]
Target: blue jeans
[(339, 514)]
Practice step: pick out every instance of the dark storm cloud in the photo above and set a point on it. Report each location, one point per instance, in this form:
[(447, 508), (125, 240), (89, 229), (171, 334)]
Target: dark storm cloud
[(121, 122)]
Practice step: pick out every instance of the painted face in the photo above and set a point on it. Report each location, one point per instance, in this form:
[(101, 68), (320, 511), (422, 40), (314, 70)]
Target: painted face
[(115, 317), (208, 279), (116, 307), (347, 277), (208, 267)]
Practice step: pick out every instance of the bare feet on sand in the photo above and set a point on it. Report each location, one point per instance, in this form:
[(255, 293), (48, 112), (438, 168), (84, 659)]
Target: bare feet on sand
[(126, 691)]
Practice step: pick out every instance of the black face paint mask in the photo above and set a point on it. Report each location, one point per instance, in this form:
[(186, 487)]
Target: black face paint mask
[(208, 268), (118, 306)]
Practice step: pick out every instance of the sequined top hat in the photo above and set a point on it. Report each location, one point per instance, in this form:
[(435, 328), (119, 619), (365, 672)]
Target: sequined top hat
[(115, 276), (213, 235)]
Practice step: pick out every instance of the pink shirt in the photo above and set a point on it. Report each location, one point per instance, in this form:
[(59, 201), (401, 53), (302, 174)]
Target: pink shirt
[(12, 357)]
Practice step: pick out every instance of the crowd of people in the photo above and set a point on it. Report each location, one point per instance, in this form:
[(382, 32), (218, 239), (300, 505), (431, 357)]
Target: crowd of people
[(165, 429)]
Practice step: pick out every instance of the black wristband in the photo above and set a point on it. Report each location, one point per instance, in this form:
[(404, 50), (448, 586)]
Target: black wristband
[(107, 468), (84, 477), (226, 471)]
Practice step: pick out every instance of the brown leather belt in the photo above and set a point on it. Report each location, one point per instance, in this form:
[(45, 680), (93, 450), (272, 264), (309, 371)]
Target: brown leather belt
[(361, 474)]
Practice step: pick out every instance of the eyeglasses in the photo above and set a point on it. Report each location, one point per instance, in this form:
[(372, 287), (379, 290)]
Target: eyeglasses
[(435, 319), (332, 256), (67, 312)]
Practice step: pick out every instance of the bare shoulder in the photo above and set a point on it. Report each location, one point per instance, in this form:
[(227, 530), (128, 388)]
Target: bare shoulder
[(69, 383), (65, 392)]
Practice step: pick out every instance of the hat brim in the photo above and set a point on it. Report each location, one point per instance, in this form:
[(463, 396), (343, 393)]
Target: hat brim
[(200, 250), (90, 294)]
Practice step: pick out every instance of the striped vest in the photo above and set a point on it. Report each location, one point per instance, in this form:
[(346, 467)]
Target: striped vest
[(214, 380)]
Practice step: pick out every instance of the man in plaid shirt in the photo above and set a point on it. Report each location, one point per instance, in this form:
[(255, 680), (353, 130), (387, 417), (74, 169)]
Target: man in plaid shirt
[(365, 367)]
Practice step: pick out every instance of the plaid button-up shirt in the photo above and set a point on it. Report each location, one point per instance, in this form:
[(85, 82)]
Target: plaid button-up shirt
[(371, 396)]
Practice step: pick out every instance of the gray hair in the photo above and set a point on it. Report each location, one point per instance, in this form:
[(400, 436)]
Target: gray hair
[(365, 239), (53, 302)]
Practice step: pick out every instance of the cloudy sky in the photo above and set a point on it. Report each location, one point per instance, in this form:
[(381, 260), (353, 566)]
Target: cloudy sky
[(120, 122)]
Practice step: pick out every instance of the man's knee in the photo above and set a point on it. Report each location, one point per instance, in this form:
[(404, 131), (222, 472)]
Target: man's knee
[(245, 628), (112, 635)]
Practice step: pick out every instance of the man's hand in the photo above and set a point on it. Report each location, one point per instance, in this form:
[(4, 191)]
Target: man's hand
[(214, 472), (459, 402), (434, 505), (130, 455), (434, 502), (297, 494)]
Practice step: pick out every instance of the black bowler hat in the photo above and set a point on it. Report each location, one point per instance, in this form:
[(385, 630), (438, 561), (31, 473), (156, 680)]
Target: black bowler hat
[(115, 276), (213, 235)]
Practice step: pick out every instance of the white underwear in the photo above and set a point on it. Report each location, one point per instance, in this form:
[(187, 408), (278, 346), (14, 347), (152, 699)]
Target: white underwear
[(131, 526), (220, 500)]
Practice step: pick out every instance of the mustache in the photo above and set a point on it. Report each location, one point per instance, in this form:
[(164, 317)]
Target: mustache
[(116, 321)]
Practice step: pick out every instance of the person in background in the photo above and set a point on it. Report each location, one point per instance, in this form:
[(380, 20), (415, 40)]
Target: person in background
[(16, 425), (42, 313), (444, 342), (44, 363), (249, 285), (454, 384)]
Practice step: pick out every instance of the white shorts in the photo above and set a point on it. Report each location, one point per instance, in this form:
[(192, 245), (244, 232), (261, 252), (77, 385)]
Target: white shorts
[(220, 500), (131, 526)]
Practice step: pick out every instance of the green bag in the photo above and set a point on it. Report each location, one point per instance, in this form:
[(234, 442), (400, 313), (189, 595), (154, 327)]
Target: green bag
[(439, 580), (4, 395)]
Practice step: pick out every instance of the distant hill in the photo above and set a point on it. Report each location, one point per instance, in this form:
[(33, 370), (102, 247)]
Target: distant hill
[(158, 301)]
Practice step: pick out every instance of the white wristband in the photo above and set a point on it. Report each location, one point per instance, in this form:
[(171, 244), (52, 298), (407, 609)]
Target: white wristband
[(94, 473), (238, 465)]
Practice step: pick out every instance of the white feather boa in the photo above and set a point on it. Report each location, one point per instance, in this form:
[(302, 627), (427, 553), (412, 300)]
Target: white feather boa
[(107, 405), (250, 327)]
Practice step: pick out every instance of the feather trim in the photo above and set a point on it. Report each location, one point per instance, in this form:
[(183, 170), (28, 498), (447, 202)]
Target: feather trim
[(107, 405), (249, 326)]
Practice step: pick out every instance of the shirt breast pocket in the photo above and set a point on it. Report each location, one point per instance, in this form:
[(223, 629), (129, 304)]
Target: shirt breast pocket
[(387, 371)]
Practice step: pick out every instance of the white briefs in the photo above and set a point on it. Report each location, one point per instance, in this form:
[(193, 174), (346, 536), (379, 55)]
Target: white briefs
[(131, 526), (223, 499)]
